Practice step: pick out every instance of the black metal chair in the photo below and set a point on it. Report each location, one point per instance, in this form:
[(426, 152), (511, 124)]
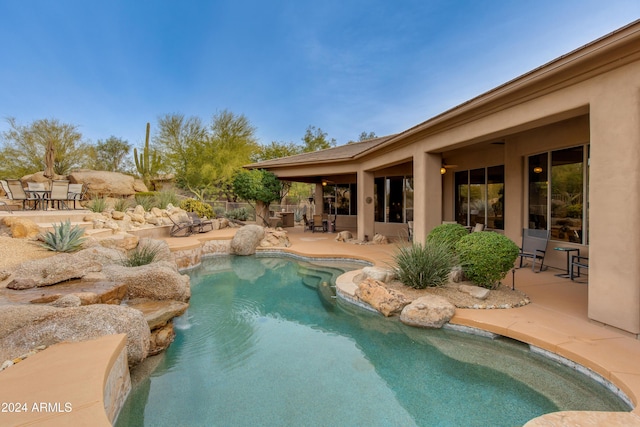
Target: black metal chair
[(577, 262), (198, 224), (180, 228)]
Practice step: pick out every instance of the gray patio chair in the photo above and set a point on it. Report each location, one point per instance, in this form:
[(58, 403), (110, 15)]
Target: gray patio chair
[(17, 193), (180, 227), (76, 193), (7, 192), (534, 246), (198, 224), (59, 193)]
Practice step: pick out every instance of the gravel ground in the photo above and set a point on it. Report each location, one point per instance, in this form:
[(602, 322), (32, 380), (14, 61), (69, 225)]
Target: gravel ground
[(15, 251)]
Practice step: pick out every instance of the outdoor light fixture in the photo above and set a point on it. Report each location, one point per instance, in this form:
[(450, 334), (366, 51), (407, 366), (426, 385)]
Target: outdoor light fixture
[(537, 169), (443, 170)]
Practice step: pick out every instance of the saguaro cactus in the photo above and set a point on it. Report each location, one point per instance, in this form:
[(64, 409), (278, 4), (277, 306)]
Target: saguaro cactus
[(147, 162)]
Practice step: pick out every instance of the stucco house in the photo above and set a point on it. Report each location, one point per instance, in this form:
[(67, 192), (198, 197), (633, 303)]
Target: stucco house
[(557, 148)]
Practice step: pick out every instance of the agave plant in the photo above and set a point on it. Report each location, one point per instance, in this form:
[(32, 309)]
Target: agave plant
[(63, 238)]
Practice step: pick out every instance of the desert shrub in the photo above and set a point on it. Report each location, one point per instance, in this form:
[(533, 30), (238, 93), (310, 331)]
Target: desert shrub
[(240, 214), (420, 266), (63, 238), (218, 211), (147, 202), (486, 257), (122, 205), (145, 194), (164, 198), (448, 235), (202, 209), (98, 205), (143, 254)]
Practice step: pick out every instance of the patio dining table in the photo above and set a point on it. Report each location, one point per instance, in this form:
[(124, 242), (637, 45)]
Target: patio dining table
[(40, 198)]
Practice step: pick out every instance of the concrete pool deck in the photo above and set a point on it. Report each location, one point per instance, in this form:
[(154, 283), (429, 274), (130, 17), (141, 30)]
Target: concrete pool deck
[(555, 321)]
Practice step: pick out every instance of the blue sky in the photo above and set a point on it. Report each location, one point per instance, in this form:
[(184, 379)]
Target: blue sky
[(345, 66)]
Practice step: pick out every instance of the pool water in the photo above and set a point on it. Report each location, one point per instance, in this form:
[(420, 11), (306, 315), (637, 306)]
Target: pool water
[(264, 343)]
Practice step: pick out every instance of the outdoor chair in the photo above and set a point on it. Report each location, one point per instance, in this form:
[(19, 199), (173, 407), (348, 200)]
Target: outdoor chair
[(198, 224), (59, 194), (317, 224), (5, 188), (478, 227), (38, 190), (577, 262), (76, 193), (534, 246), (180, 227), (17, 193)]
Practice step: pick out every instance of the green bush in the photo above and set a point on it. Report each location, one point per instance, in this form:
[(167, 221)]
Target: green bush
[(486, 257), (420, 266), (201, 208), (448, 235), (98, 205), (240, 214), (143, 254), (147, 202), (122, 205), (63, 238), (164, 198)]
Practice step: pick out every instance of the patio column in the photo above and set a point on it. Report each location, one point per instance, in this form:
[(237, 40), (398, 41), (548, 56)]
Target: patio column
[(366, 207), (614, 206), (319, 200), (427, 194)]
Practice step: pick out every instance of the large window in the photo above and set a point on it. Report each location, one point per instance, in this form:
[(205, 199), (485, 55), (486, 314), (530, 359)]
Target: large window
[(393, 199), (340, 199), (479, 197), (557, 185)]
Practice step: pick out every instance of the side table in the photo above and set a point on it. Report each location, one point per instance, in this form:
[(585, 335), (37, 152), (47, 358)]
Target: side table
[(568, 252)]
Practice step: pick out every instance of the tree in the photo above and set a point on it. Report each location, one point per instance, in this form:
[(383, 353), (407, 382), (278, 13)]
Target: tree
[(364, 136), (276, 150), (232, 144), (112, 155), (257, 186), (25, 147), (315, 139), (181, 141)]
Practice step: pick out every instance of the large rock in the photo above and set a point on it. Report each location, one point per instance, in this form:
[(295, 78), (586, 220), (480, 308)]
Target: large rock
[(247, 239), (22, 228), (107, 183), (381, 274), (277, 238), (386, 301), (78, 324), (52, 270), (475, 291), (157, 281), (428, 312)]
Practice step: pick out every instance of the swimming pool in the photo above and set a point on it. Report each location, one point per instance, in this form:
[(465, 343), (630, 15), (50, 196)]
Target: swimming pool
[(264, 343)]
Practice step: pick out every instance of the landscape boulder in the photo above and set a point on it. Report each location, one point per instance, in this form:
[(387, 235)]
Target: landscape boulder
[(343, 236), (156, 281), (107, 183), (386, 301), (22, 228), (52, 270), (80, 324), (247, 239), (428, 312), (381, 274), (475, 291)]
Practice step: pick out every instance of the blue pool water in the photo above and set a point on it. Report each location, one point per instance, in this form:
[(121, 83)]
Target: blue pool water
[(264, 344)]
